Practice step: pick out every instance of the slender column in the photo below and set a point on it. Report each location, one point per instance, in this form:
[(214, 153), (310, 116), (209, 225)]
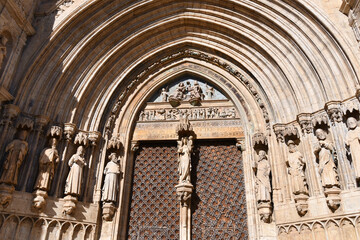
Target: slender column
[(184, 188), (69, 131), (40, 122), (304, 120), (94, 138), (339, 130)]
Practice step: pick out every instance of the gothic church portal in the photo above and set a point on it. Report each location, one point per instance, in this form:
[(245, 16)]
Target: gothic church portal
[(179, 119)]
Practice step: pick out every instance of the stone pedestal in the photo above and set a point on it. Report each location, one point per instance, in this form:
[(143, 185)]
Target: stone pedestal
[(108, 211), (174, 102), (6, 192), (301, 203), (184, 191), (265, 211), (39, 201), (332, 198), (69, 205)]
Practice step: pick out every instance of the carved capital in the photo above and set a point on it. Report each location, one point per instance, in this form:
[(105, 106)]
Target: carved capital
[(114, 143), (55, 132), (25, 124), (81, 138), (10, 112), (291, 130), (319, 119), (333, 109), (69, 130), (135, 146), (304, 119), (279, 132), (259, 139), (350, 106), (40, 122), (94, 137), (240, 144)]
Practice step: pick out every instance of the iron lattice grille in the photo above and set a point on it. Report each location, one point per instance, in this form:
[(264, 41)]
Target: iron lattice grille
[(219, 202), (154, 212)]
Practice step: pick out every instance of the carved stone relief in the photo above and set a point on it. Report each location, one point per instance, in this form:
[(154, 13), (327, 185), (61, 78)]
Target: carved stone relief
[(172, 114), (353, 144)]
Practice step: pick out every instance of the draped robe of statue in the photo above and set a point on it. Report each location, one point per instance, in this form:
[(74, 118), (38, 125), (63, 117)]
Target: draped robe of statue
[(296, 170), (263, 187), (16, 150), (327, 167), (184, 160), (112, 171), (353, 142), (73, 181), (48, 159)]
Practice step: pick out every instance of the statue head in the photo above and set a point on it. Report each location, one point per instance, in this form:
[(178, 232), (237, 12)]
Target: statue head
[(113, 157), (80, 150), (262, 155), (3, 40), (53, 142), (22, 134), (320, 134), (291, 145), (351, 123)]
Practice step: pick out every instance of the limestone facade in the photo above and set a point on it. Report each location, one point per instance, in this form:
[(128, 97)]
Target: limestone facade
[(93, 90)]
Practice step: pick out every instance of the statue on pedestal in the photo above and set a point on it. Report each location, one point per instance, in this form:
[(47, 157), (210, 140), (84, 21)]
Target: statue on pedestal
[(185, 146), (296, 170), (326, 158), (110, 188), (324, 153), (262, 177), (353, 143), (74, 179), (49, 157)]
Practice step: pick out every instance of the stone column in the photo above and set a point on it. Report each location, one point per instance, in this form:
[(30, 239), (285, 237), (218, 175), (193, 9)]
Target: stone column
[(339, 130), (184, 188), (94, 138), (40, 122), (307, 140), (69, 131)]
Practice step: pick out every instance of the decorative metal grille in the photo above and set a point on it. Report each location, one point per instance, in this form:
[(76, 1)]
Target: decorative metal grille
[(154, 212), (219, 202)]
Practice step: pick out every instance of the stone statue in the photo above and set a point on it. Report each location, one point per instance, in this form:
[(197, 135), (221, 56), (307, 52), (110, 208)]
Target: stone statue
[(296, 168), (73, 181), (196, 91), (185, 146), (262, 175), (164, 95), (49, 157), (210, 92), (112, 171), (353, 143), (179, 92), (3, 41), (16, 150), (324, 153)]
